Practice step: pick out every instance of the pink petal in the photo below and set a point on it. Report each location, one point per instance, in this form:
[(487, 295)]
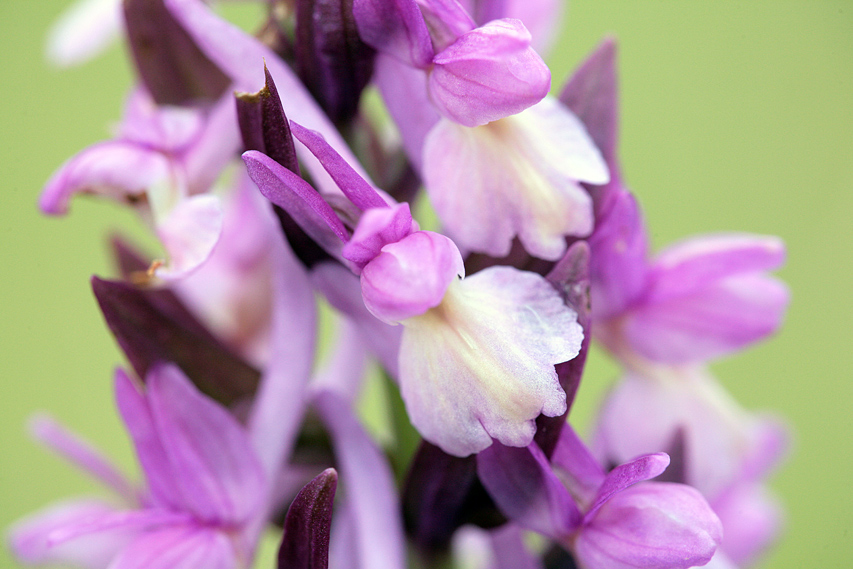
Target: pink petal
[(343, 291), (84, 30), (723, 317), (481, 365), (526, 490), (82, 454), (395, 27), (188, 233), (690, 265), (209, 453), (369, 486), (626, 475), (180, 547), (517, 176), (404, 91), (118, 170), (752, 519), (650, 525), (410, 276), (29, 539), (487, 74), (376, 228)]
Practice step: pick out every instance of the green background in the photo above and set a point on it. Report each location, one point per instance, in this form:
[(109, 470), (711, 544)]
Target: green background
[(736, 116)]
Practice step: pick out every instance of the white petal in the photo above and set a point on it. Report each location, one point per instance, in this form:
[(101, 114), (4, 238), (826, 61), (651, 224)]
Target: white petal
[(481, 364)]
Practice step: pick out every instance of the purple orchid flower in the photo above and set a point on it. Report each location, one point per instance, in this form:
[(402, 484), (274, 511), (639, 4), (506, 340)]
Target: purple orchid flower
[(204, 485), (163, 162), (477, 355), (490, 145), (609, 520)]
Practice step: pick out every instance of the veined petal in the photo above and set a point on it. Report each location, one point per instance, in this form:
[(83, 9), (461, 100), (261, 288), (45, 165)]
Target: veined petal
[(517, 176), (654, 524), (725, 316), (179, 547), (210, 455), (690, 265), (118, 170), (188, 233), (487, 74), (410, 276), (29, 539), (481, 364), (83, 31)]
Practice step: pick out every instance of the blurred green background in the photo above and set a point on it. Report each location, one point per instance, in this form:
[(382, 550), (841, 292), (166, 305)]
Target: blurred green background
[(735, 116)]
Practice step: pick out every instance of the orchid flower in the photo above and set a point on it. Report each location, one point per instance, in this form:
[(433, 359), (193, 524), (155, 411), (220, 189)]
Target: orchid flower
[(204, 485), (477, 355), (609, 520), (501, 161)]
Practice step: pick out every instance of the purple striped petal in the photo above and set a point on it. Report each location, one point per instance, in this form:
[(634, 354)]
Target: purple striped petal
[(30, 539), (626, 475), (293, 194), (209, 453), (179, 547), (526, 490)]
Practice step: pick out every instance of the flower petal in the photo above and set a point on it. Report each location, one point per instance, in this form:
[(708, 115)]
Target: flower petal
[(369, 486), (179, 547), (29, 539), (481, 365), (83, 31), (489, 73), (410, 276), (517, 176), (189, 233), (654, 524), (526, 490), (725, 316), (395, 27), (118, 170)]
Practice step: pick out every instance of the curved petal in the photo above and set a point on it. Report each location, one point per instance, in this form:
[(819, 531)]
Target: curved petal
[(489, 73), (410, 276), (378, 227), (654, 524), (179, 547), (115, 169), (189, 232), (725, 316), (516, 176), (481, 365), (368, 484), (209, 453), (30, 538), (526, 490), (395, 27)]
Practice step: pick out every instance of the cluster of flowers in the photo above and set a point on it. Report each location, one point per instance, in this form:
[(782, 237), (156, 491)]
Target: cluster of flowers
[(483, 327)]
